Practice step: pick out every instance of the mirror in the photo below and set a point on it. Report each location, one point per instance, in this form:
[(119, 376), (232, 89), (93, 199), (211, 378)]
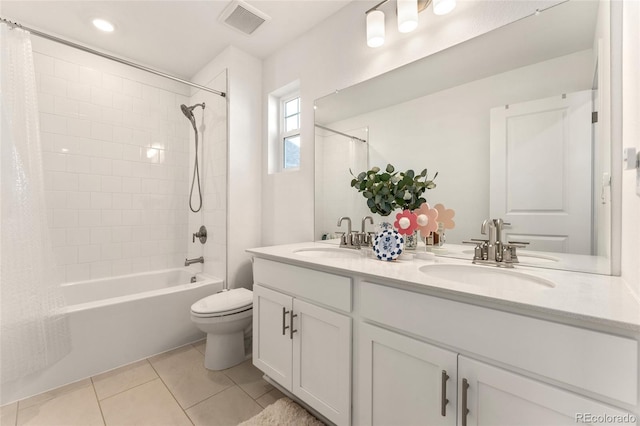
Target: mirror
[(506, 121)]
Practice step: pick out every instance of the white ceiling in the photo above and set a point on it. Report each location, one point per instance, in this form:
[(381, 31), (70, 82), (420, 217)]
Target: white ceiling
[(176, 36)]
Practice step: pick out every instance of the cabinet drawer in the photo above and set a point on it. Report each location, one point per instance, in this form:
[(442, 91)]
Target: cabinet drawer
[(594, 361), (322, 287)]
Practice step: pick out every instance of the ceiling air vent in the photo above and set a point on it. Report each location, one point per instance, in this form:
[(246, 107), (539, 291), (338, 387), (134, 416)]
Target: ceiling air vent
[(243, 17)]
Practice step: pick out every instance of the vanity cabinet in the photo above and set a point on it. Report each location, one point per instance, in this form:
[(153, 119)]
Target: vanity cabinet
[(496, 397), (394, 365), (405, 381), (304, 347)]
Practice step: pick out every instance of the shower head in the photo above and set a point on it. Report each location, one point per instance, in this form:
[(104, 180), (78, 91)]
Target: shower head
[(188, 112)]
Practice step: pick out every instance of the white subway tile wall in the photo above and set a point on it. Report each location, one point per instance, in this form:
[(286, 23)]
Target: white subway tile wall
[(116, 161), (213, 175)]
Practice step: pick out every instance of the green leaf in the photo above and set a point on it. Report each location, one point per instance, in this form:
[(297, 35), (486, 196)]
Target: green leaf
[(371, 203), (385, 177), (368, 194), (390, 168), (375, 169), (385, 190), (362, 175), (354, 182), (363, 185), (424, 173), (431, 185), (410, 174)]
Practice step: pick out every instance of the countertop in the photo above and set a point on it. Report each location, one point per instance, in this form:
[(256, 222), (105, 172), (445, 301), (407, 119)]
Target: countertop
[(597, 299)]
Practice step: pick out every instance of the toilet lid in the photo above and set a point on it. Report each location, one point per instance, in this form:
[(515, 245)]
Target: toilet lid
[(224, 301)]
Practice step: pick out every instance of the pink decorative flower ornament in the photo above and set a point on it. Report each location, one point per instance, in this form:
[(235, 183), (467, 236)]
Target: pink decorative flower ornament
[(445, 216), (406, 222), (426, 219)]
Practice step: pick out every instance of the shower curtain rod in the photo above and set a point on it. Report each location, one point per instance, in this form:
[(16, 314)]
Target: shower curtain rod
[(13, 24), (342, 134)]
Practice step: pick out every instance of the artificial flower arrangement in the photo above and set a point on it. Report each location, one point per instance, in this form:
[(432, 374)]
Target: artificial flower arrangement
[(389, 190)]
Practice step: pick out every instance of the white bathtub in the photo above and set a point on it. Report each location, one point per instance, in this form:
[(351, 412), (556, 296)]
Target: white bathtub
[(119, 320)]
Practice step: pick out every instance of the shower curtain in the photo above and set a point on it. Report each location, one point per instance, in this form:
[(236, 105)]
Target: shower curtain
[(33, 331)]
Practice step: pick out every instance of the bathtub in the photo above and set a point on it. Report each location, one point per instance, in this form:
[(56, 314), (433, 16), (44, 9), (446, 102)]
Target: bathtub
[(119, 320)]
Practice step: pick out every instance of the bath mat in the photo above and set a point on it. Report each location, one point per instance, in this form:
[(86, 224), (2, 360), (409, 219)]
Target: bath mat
[(283, 412)]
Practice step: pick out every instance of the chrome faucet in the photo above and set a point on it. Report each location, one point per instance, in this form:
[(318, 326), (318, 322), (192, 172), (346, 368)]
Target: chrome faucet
[(494, 250), (347, 238), (365, 238), (188, 262)]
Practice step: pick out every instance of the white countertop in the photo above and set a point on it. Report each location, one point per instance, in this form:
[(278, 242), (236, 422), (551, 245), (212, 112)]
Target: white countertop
[(597, 299)]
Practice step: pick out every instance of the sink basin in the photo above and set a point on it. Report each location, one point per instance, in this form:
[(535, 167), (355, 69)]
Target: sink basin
[(533, 258), (485, 276), (329, 253)]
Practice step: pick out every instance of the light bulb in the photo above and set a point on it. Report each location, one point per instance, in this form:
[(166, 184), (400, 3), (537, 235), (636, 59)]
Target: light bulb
[(103, 25), (407, 15), (442, 7), (375, 28)]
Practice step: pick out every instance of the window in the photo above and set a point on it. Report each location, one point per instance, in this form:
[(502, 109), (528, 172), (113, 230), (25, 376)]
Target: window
[(290, 132), (283, 128)]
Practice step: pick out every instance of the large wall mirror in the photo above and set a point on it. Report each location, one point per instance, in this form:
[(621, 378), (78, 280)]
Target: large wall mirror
[(516, 122)]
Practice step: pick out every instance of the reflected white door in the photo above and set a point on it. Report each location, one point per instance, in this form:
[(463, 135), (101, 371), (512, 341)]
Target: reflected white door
[(540, 172)]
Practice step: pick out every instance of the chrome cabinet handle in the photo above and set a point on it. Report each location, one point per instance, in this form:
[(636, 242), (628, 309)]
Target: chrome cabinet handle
[(444, 401), (284, 320), (465, 410), (291, 330)]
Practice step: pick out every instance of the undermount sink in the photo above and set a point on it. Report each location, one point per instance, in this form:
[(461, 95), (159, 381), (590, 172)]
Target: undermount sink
[(532, 258), (485, 275), (329, 252)]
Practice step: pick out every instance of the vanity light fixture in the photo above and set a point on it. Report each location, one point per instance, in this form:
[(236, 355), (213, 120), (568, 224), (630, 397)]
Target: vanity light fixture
[(103, 25), (407, 11)]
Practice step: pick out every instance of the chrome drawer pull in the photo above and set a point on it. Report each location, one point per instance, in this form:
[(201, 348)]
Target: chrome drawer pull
[(444, 401), (465, 410), (291, 330), (284, 320)]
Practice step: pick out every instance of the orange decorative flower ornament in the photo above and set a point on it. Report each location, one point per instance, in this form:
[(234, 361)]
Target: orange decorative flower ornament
[(406, 222), (445, 216), (426, 219)]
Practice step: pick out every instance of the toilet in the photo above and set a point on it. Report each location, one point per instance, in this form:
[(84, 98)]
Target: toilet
[(224, 317)]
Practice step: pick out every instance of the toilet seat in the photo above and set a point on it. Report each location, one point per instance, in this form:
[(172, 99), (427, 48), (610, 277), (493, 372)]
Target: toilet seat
[(224, 303)]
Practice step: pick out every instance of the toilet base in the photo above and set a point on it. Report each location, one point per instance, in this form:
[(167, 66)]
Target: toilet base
[(224, 350)]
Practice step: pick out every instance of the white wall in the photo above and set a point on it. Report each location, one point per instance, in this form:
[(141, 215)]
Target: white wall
[(212, 159), (432, 137), (244, 156), (334, 55), (115, 160), (631, 137)]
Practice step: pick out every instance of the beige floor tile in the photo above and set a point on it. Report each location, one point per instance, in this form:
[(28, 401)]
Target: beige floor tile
[(249, 378), (8, 414), (148, 404), (76, 406), (123, 378), (270, 397), (200, 346), (182, 370), (227, 408), (45, 396)]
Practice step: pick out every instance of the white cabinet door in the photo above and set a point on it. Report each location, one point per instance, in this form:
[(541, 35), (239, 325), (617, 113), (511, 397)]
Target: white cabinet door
[(322, 360), (272, 340), (403, 381), (496, 397)]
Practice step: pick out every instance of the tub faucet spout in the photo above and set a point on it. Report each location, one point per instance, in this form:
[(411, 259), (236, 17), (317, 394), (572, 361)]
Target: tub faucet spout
[(188, 262)]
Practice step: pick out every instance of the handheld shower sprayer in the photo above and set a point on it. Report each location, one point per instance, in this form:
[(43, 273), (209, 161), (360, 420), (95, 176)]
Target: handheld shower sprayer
[(188, 112)]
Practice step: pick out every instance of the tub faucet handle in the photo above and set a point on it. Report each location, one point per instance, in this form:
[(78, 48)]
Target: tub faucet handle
[(201, 235)]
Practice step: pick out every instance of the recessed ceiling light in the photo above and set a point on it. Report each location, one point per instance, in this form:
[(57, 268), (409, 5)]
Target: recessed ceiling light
[(103, 25)]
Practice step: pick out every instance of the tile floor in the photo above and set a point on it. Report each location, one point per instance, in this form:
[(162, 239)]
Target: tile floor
[(172, 389)]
